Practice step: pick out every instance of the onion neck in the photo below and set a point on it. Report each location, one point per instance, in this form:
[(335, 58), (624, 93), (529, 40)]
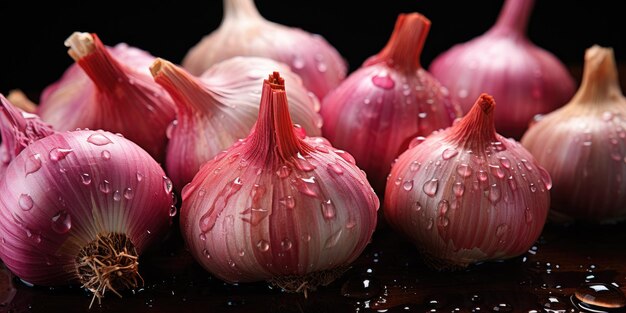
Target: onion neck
[(600, 82), (19, 129), (240, 10), (514, 17), (96, 61), (404, 48), (274, 127), (477, 128), (189, 95)]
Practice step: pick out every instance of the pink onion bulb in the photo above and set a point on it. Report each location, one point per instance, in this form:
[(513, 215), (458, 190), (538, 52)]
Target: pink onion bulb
[(466, 194), (18, 129), (375, 112), (503, 62), (244, 32), (110, 89), (80, 207), (582, 145), (277, 206), (220, 107)]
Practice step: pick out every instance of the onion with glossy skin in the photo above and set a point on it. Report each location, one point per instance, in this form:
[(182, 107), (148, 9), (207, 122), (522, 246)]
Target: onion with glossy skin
[(583, 146), (80, 207), (525, 78), (220, 107), (376, 111), (18, 129), (466, 194), (244, 32), (110, 89), (278, 206)]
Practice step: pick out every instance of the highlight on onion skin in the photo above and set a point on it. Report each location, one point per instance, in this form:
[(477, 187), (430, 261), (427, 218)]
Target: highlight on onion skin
[(583, 146), (526, 79), (244, 32), (220, 107), (466, 194), (80, 207), (109, 88), (376, 111), (278, 206)]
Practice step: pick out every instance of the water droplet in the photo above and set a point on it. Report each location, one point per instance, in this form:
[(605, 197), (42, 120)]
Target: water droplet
[(61, 222), (99, 140), (263, 245), (33, 163), (206, 253), (512, 183), (128, 193), (458, 189), (322, 149), (298, 63), (383, 81), (117, 196), (443, 207), (408, 185), (527, 165), (462, 93), (443, 221), (283, 171), (449, 153), (494, 193), (496, 171), (167, 184), (429, 224), (335, 168), (333, 239), (416, 141), (607, 116), (106, 155), (254, 216), (328, 209), (203, 236), (417, 206), (528, 215), (361, 287), (286, 244), (464, 170), (58, 154), (346, 156), (430, 187), (105, 187), (173, 210), (307, 186), (169, 131), (139, 176), (351, 223), (322, 67), (545, 178), (241, 253), (532, 187), (501, 230), (502, 307), (505, 162), (25, 202), (601, 295), (85, 178), (415, 166), (304, 164), (288, 201), (482, 176)]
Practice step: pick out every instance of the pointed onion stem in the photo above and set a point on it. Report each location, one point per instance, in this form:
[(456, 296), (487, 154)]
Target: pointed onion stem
[(477, 127), (240, 9), (514, 17), (600, 81)]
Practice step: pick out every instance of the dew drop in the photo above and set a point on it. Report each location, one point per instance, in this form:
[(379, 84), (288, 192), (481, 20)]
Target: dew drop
[(263, 245), (206, 253), (298, 63), (417, 206), (458, 189), (496, 171), (545, 178), (482, 176), (321, 67), (173, 210), (128, 193), (61, 222), (25, 202), (106, 155), (415, 166), (422, 115), (283, 171), (506, 163), (346, 156), (335, 168), (286, 244), (167, 185), (464, 170), (416, 141), (383, 81), (494, 193), (241, 253), (117, 195), (532, 187), (254, 216), (512, 183), (99, 140), (430, 187), (85, 179), (449, 153), (58, 154), (501, 230), (408, 185), (527, 165), (328, 210), (333, 239), (304, 164), (607, 116), (443, 221), (139, 176), (203, 236), (351, 223), (307, 186), (601, 295), (502, 307), (322, 149), (429, 224), (33, 163), (169, 131), (462, 93), (528, 215), (361, 287), (443, 207), (105, 187), (288, 201)]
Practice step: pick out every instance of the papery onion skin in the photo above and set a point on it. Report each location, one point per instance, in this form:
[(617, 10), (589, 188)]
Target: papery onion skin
[(244, 32), (503, 62), (111, 89), (65, 190), (582, 145), (18, 129), (220, 107), (375, 112), (460, 207), (297, 208)]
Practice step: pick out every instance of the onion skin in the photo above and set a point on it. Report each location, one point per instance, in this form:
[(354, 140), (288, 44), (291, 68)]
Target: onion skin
[(375, 112), (244, 32), (503, 62), (278, 205), (64, 190), (18, 129), (110, 89), (220, 107), (582, 146), (460, 207)]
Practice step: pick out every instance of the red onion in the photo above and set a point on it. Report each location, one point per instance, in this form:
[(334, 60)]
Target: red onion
[(244, 32), (278, 206), (389, 100), (220, 107), (110, 89), (466, 194), (527, 79), (80, 207), (18, 129), (583, 145)]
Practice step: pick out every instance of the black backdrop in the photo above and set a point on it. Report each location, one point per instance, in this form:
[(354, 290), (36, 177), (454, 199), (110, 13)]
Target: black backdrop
[(32, 54)]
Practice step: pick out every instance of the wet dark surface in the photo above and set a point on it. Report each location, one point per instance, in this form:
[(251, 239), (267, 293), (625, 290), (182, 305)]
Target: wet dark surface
[(565, 266)]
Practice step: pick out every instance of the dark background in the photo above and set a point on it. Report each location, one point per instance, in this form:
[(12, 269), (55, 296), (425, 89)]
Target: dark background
[(32, 54)]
